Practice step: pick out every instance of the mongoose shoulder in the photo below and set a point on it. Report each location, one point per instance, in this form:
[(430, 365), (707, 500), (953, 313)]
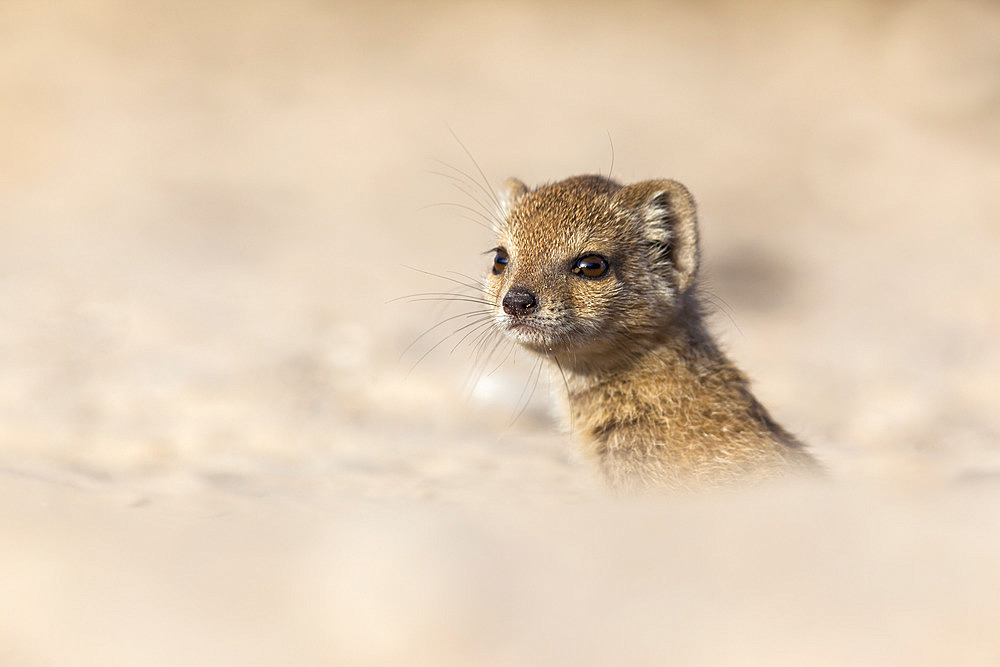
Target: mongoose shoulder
[(601, 279)]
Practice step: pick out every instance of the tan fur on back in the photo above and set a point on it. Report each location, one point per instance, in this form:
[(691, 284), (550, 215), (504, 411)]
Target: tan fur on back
[(653, 400)]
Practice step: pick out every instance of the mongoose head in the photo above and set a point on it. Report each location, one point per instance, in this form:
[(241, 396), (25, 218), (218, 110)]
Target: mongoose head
[(589, 271)]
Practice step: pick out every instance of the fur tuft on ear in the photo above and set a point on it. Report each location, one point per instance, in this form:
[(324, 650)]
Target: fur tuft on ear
[(511, 193), (667, 212)]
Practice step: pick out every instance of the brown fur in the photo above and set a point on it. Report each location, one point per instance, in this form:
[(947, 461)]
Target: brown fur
[(653, 399)]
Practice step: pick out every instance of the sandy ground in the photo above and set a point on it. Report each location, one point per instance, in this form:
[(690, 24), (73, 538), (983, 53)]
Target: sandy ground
[(216, 446)]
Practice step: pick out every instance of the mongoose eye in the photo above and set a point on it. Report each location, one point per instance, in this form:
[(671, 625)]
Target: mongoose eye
[(591, 266), (499, 261)]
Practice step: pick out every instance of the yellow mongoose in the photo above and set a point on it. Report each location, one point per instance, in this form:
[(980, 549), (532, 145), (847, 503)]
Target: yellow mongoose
[(601, 279)]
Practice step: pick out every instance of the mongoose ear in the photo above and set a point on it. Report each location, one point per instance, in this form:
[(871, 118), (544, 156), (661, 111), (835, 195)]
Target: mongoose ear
[(511, 193), (667, 212)]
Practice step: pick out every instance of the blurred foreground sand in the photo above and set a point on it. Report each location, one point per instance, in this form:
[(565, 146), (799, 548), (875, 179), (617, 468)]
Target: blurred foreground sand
[(213, 452)]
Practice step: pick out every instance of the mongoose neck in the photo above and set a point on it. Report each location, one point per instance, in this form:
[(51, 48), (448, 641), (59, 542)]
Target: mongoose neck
[(679, 341)]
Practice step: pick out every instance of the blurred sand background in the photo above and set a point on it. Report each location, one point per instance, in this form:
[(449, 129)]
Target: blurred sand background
[(213, 449)]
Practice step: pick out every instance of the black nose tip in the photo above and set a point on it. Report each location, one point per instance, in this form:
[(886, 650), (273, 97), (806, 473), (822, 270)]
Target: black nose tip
[(519, 302)]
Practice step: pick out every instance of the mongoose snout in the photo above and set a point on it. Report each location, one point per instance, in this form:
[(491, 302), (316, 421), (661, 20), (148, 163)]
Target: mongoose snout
[(519, 302)]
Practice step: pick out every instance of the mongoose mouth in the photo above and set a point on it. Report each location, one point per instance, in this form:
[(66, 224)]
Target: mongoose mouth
[(531, 336), (526, 333)]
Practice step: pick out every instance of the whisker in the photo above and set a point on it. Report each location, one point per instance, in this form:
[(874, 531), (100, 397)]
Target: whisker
[(536, 372), (482, 342), (485, 322), (475, 221), (721, 305), (441, 342), (476, 372), (454, 293), (510, 350), (476, 281), (462, 184), (461, 187), (446, 299), (565, 384), (465, 178), (486, 181), (473, 313), (438, 275), (484, 222), (612, 143)]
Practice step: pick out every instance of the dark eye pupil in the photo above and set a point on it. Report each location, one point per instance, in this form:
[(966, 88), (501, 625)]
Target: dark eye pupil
[(500, 262), (592, 266)]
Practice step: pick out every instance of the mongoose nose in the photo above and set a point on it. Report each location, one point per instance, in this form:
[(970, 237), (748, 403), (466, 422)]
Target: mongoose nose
[(519, 302)]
